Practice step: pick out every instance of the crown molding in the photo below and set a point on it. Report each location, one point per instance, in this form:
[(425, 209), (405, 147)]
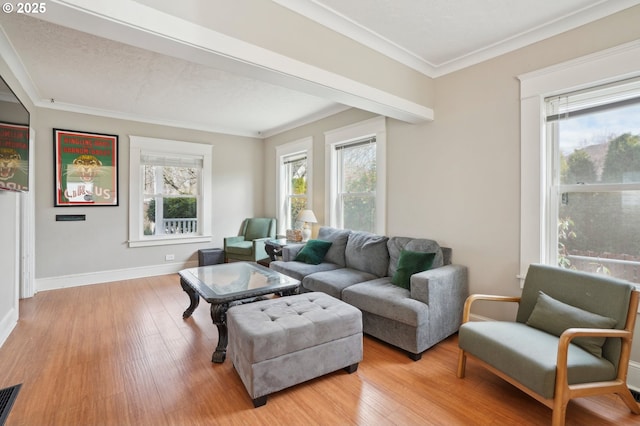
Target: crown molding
[(335, 21), (341, 24), (327, 112)]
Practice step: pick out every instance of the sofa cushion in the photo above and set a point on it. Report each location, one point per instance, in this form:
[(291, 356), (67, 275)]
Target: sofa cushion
[(338, 238), (299, 270), (367, 252), (382, 298), (411, 262), (313, 252), (555, 317), (334, 282), (395, 245)]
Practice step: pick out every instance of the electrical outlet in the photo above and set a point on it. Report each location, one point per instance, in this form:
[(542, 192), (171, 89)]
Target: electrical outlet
[(169, 257)]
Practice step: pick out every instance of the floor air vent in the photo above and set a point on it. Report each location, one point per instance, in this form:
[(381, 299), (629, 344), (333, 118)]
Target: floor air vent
[(7, 398), (636, 395)]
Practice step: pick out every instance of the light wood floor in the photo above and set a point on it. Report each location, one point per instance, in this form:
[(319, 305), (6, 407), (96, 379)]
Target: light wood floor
[(121, 354)]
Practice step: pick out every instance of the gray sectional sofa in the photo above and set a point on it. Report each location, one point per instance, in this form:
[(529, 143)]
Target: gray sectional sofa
[(358, 269)]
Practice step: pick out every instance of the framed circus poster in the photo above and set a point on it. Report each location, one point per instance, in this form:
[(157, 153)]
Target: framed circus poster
[(14, 157), (86, 168)]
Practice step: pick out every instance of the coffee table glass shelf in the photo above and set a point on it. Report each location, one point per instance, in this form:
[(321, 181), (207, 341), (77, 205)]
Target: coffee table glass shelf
[(229, 283)]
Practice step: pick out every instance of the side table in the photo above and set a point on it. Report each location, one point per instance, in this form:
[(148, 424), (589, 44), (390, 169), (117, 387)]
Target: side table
[(274, 247)]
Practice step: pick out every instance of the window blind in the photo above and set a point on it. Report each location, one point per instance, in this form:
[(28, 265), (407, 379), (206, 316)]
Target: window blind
[(158, 159), (589, 101), (294, 158), (355, 143)]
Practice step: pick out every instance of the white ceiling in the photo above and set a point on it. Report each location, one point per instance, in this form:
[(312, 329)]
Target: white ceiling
[(112, 69)]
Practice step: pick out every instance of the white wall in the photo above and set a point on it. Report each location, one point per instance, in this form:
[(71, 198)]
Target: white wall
[(75, 253), (8, 263), (9, 235)]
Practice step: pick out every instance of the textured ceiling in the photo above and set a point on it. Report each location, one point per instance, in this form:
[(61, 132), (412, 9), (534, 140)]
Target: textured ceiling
[(78, 71)]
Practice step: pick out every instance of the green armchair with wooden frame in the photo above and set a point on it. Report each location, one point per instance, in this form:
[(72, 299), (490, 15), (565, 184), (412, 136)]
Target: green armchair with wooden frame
[(571, 337)]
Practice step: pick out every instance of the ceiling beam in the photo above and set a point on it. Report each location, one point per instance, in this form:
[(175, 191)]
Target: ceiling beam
[(133, 23)]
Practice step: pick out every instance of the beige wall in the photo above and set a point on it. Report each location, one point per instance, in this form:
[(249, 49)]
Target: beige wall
[(100, 243), (457, 179)]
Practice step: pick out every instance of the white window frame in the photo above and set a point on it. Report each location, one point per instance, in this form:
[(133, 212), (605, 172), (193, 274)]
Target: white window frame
[(375, 127), (139, 144), (604, 67), (300, 146)]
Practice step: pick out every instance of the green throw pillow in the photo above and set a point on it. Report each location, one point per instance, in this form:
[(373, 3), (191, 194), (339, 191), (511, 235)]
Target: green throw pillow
[(409, 263), (313, 252), (555, 317)]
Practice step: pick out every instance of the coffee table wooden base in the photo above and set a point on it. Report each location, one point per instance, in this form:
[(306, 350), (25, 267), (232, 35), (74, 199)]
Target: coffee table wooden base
[(194, 299), (219, 317)]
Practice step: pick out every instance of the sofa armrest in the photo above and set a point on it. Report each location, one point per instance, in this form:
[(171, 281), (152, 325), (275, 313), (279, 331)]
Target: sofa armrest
[(441, 285), (445, 290), (290, 251)]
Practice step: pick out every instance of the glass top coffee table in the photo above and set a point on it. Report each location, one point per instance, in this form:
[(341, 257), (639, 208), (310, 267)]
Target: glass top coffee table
[(228, 283)]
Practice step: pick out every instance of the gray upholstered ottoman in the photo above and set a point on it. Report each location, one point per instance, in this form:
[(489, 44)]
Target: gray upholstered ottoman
[(281, 342)]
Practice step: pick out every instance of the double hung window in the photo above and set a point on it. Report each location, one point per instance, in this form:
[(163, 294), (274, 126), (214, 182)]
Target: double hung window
[(295, 199), (171, 193), (356, 185), (294, 182), (170, 190), (356, 195), (593, 137)]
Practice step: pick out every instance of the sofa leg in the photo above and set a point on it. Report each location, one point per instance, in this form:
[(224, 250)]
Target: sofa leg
[(415, 357), (352, 368), (259, 402)]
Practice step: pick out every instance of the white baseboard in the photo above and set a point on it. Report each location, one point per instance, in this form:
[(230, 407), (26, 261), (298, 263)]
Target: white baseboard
[(633, 376), (76, 280), (7, 324)]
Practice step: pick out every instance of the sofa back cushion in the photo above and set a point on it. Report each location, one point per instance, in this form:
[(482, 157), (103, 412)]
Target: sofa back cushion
[(338, 239), (395, 245), (368, 253)]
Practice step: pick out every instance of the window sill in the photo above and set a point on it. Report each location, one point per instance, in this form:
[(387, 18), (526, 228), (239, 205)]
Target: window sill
[(163, 241)]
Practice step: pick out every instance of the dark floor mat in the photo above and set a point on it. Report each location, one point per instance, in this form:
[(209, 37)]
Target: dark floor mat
[(7, 398)]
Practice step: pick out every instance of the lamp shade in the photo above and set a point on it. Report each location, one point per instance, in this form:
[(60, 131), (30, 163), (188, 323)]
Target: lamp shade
[(307, 216)]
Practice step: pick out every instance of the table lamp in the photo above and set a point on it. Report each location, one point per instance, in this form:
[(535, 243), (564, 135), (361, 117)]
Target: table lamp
[(307, 217)]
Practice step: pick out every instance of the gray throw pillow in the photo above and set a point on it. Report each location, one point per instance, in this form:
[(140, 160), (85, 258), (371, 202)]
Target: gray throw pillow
[(339, 239), (367, 252), (555, 317)]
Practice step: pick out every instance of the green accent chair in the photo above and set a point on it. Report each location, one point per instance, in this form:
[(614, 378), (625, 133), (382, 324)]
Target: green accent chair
[(249, 244), (571, 338)]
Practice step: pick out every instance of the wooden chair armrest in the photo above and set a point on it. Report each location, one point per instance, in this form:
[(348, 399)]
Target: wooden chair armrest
[(490, 297), (571, 333)]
